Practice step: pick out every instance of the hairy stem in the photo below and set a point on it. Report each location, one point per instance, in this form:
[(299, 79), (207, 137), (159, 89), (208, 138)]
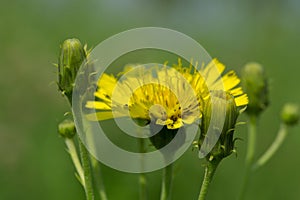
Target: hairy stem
[(75, 159), (89, 192), (210, 170)]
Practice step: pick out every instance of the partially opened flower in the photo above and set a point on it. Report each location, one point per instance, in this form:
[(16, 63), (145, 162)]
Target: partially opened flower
[(224, 144)]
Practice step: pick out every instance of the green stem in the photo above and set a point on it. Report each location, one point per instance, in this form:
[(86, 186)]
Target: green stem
[(97, 172), (251, 140), (252, 129), (166, 189), (98, 178), (142, 176), (282, 133), (89, 192), (73, 154), (210, 170), (143, 184)]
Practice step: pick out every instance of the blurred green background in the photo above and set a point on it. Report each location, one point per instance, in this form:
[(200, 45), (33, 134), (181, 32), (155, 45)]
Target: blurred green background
[(34, 164)]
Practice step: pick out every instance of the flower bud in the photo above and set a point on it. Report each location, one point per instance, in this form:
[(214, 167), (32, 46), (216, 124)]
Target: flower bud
[(67, 129), (225, 144), (290, 114), (255, 84), (71, 57)]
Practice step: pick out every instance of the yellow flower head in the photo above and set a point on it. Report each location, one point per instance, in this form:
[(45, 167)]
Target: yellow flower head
[(166, 96)]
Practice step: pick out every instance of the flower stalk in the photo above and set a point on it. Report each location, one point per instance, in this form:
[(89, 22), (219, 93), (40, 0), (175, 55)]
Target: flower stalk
[(89, 191), (75, 159), (252, 129), (289, 117), (142, 176), (252, 132), (210, 170), (166, 189), (282, 133), (143, 186), (98, 178)]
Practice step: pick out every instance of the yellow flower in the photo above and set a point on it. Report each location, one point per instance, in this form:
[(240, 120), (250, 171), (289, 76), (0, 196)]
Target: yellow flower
[(166, 96)]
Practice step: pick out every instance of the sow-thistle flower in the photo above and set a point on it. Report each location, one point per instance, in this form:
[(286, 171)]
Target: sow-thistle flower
[(255, 84), (146, 98)]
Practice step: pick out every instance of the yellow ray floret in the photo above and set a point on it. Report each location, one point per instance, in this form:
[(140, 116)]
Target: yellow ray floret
[(171, 96)]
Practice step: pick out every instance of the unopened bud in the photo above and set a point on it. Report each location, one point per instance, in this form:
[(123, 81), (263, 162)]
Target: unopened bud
[(290, 114), (71, 57), (225, 144), (67, 129), (255, 84)]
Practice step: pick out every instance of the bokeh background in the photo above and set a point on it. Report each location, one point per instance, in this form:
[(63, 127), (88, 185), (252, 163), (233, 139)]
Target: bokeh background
[(34, 163)]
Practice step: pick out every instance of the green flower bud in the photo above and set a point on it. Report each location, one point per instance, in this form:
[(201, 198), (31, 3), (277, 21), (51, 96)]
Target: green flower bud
[(255, 84), (71, 57), (225, 144), (290, 114), (67, 129)]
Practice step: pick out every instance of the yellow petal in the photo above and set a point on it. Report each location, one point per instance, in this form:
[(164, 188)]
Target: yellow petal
[(108, 82), (99, 116), (212, 72), (97, 105), (139, 110), (230, 80), (236, 91), (101, 94), (241, 100)]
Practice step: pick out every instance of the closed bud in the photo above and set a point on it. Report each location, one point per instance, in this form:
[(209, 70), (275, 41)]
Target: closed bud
[(290, 114), (255, 84), (67, 129), (225, 144), (72, 55)]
